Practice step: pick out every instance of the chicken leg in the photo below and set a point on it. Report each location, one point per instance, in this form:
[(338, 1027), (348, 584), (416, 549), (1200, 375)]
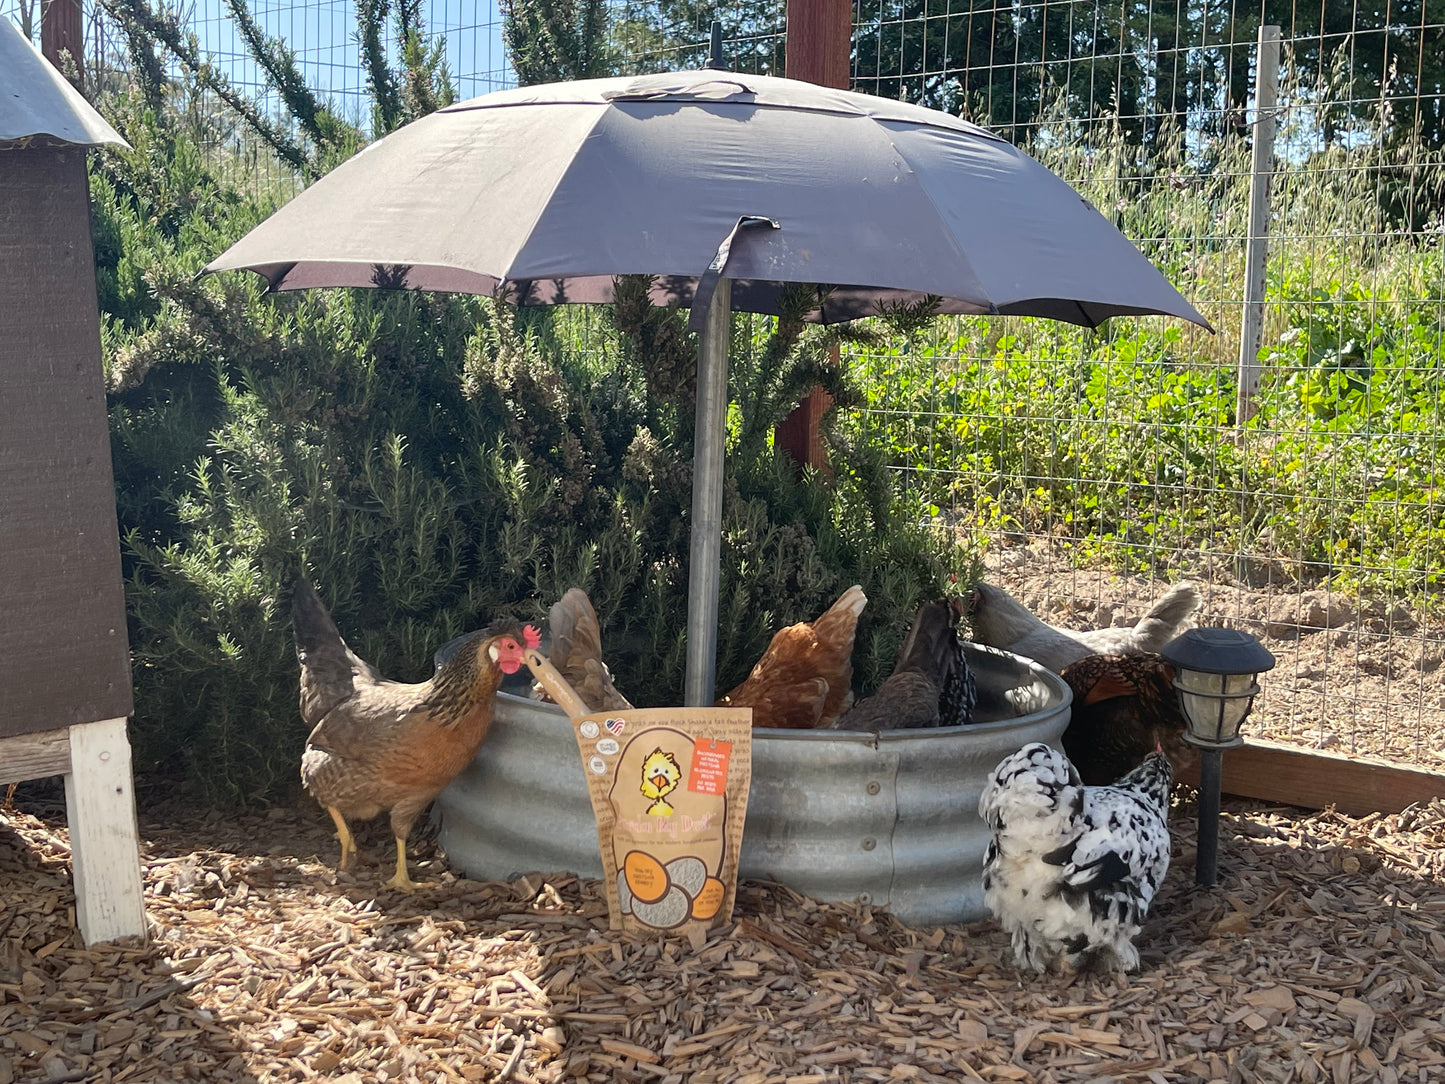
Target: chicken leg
[(401, 881), (403, 816), (348, 841)]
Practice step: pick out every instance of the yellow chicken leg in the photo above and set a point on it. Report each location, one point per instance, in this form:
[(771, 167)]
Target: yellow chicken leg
[(401, 882), (348, 841)]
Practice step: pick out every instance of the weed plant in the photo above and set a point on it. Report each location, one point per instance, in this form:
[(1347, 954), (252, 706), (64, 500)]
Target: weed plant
[(1124, 441)]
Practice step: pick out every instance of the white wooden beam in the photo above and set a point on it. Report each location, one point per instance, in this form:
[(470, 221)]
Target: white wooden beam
[(34, 756), (104, 842)]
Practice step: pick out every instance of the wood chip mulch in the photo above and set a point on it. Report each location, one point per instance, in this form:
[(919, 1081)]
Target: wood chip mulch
[(1318, 957)]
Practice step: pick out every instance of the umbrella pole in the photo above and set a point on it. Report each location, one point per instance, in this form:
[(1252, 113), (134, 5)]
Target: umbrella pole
[(707, 494)]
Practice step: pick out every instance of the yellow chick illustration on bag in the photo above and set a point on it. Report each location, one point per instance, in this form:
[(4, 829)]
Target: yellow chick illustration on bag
[(660, 776)]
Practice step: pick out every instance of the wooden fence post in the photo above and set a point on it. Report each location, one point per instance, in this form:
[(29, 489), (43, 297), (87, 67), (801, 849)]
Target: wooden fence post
[(818, 50), (61, 32)]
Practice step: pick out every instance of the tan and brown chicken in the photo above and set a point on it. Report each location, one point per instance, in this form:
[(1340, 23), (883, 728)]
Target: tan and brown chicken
[(931, 684), (999, 620), (379, 745), (805, 678), (1125, 708), (576, 652)]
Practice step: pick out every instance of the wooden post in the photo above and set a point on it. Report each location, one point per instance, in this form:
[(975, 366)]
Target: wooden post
[(819, 42), (104, 853), (1251, 320), (61, 32), (818, 50)]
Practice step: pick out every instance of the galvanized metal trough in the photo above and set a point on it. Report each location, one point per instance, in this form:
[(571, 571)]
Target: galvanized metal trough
[(888, 819)]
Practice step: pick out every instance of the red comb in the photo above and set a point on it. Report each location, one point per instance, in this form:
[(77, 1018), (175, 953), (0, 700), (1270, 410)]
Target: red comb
[(532, 636)]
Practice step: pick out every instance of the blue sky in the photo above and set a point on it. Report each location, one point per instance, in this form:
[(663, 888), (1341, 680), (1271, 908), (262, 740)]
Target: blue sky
[(323, 35)]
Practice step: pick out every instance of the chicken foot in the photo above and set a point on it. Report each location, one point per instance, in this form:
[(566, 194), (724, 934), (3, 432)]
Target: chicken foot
[(403, 816), (401, 881)]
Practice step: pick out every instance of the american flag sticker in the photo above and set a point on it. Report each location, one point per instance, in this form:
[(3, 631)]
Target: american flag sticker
[(615, 726)]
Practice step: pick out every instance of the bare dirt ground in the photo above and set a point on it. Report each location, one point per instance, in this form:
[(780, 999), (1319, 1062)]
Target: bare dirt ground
[(1316, 958), (1357, 677)]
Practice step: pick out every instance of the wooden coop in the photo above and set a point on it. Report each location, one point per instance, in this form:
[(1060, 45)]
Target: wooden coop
[(65, 689)]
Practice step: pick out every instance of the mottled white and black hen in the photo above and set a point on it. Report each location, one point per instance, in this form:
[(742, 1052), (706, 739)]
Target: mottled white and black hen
[(1071, 870)]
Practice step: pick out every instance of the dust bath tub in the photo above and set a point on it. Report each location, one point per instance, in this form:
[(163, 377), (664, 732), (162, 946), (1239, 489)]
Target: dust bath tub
[(889, 819)]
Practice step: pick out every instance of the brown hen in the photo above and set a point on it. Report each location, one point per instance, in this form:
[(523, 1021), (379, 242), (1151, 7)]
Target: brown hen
[(576, 652), (378, 745), (1124, 708), (805, 678)]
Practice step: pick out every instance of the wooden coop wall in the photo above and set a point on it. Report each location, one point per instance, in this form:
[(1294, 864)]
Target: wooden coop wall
[(64, 657)]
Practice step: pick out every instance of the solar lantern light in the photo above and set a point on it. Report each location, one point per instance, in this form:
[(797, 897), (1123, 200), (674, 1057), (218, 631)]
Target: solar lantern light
[(1214, 674)]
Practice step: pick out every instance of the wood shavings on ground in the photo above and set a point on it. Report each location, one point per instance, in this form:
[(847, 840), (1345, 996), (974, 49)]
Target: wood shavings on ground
[(1317, 958)]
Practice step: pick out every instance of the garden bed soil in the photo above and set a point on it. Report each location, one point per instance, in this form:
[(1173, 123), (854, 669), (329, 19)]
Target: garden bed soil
[(1317, 958)]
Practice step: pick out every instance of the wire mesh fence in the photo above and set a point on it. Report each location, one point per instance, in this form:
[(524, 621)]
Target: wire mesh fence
[(1092, 466)]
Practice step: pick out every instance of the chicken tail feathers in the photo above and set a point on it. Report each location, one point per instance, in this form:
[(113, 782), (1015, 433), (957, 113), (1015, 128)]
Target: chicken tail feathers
[(928, 648), (1167, 619), (576, 651), (329, 668), (840, 620)]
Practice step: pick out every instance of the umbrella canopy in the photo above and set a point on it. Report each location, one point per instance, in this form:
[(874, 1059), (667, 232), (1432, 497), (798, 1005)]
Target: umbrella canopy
[(546, 193), (726, 188)]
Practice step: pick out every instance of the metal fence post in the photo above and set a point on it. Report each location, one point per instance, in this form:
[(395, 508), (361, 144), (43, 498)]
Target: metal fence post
[(1251, 320)]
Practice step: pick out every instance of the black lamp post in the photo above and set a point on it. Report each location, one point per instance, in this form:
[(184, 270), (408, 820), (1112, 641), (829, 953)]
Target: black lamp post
[(1214, 674)]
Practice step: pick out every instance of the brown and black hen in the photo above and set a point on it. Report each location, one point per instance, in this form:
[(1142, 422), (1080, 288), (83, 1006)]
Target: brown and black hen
[(378, 745), (931, 684), (1124, 708)]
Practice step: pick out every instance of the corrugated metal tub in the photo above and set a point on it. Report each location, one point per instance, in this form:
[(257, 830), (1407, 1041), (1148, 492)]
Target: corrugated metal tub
[(890, 819)]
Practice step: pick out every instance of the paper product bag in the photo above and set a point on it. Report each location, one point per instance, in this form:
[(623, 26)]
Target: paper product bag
[(669, 788)]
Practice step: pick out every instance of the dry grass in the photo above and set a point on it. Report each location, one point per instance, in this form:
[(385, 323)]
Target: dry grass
[(1315, 959)]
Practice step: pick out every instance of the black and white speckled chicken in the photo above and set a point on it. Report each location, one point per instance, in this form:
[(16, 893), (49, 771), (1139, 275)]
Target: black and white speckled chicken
[(1124, 708), (999, 620), (1071, 870), (931, 684)]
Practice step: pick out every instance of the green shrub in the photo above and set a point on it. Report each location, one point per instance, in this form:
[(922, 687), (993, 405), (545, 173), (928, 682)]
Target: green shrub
[(433, 463)]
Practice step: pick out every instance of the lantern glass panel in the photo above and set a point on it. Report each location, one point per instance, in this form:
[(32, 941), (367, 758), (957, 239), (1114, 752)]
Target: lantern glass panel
[(1215, 704)]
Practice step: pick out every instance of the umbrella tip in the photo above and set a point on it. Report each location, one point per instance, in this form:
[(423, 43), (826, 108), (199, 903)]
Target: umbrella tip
[(715, 54)]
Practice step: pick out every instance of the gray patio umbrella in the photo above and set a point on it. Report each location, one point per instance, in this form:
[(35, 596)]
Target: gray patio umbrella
[(726, 187)]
